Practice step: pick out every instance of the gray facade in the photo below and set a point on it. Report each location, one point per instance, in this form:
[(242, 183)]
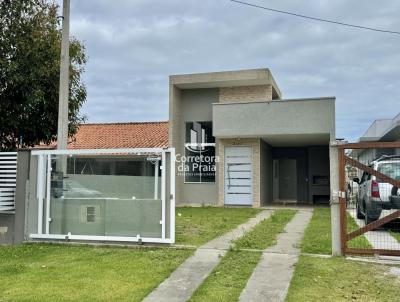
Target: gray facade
[(196, 105), (246, 109)]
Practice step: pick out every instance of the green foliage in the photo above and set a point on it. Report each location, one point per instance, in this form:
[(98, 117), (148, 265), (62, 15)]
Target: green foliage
[(196, 226), (51, 272), (317, 237), (30, 41), (337, 279), (229, 278), (265, 233)]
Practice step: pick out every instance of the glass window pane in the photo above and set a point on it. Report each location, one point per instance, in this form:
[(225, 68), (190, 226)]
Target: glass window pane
[(200, 159), (208, 164), (106, 195)]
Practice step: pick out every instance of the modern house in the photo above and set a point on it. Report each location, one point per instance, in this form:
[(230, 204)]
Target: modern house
[(239, 142), (382, 130), (231, 139)]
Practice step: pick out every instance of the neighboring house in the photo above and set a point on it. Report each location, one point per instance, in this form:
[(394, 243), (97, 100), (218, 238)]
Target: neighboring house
[(265, 148), (383, 130), (118, 135), (115, 136)]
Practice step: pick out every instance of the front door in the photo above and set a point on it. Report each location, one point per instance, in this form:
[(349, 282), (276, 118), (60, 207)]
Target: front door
[(287, 179), (238, 176)]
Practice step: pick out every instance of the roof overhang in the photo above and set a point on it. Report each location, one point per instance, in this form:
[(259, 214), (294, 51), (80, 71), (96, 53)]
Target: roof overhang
[(393, 134), (298, 122), (248, 77)]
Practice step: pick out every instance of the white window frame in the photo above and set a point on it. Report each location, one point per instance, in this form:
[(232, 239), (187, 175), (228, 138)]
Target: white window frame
[(43, 194)]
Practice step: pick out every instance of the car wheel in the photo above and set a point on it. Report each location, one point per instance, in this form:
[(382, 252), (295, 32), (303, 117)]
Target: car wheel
[(359, 214)]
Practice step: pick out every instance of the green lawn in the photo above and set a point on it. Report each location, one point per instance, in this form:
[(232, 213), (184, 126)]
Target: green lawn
[(395, 234), (196, 226), (317, 236), (359, 241), (265, 233), (229, 278), (45, 272), (338, 279)]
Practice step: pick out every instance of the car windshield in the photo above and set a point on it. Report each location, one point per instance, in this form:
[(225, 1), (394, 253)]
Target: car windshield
[(391, 169)]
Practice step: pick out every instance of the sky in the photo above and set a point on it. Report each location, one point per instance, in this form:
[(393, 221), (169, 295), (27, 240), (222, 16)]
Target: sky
[(134, 45)]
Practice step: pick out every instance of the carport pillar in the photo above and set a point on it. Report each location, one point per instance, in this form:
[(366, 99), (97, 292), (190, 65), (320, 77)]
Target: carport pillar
[(334, 203)]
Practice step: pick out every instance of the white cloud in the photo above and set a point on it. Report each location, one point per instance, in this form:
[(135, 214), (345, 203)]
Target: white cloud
[(134, 45)]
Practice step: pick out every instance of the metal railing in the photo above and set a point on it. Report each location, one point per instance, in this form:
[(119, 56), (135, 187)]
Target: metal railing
[(8, 181)]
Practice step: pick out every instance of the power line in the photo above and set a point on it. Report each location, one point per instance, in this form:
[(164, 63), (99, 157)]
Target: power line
[(315, 19)]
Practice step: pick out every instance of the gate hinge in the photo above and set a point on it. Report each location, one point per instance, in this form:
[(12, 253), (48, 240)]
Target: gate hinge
[(339, 194)]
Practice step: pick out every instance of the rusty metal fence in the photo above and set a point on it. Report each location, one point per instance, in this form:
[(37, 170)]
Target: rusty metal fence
[(369, 179)]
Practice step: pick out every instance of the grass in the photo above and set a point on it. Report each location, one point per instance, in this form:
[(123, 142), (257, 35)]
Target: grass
[(265, 233), (228, 279), (338, 279), (317, 236), (359, 241), (49, 272), (196, 226), (395, 234)]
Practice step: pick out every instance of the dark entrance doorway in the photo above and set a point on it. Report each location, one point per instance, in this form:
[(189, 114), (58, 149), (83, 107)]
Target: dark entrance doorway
[(288, 179)]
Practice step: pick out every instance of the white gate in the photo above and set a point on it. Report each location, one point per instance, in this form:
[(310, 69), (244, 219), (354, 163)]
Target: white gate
[(125, 195), (238, 176), (8, 181)]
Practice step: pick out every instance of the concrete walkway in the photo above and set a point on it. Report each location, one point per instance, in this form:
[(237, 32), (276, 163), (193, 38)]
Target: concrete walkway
[(182, 283), (379, 239), (271, 277)]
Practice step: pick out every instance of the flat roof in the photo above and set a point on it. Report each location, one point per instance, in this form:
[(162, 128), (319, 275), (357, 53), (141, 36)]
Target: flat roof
[(246, 77)]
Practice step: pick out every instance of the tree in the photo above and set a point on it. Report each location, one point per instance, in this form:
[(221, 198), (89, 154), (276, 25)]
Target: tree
[(30, 42)]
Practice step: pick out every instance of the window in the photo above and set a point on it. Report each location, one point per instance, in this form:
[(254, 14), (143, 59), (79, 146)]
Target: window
[(199, 153), (390, 169)]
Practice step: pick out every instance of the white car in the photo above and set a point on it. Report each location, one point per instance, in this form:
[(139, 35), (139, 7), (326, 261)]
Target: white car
[(374, 195)]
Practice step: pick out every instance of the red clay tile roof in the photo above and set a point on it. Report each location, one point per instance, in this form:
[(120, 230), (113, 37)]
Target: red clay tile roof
[(119, 135)]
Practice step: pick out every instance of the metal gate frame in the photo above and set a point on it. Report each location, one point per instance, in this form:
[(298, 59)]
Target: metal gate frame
[(345, 236)]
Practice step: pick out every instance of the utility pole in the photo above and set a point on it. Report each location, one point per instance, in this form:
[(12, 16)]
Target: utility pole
[(62, 130)]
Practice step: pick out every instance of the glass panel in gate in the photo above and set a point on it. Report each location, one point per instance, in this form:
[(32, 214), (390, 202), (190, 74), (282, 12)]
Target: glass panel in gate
[(106, 195)]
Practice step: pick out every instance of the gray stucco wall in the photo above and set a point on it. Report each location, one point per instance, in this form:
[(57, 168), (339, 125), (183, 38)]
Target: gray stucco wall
[(196, 105), (12, 225), (7, 227), (266, 170), (259, 119)]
